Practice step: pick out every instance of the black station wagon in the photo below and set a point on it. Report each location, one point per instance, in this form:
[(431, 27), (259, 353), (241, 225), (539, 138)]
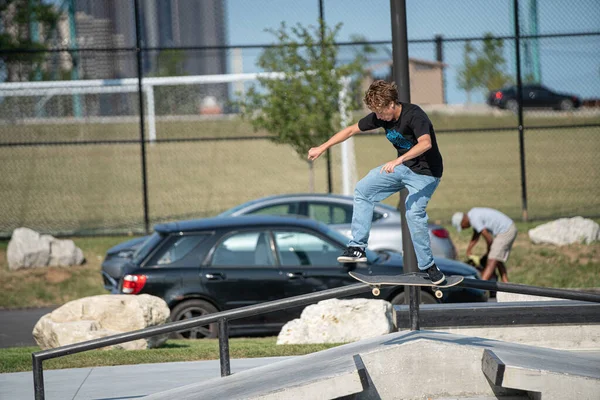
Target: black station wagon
[(208, 265)]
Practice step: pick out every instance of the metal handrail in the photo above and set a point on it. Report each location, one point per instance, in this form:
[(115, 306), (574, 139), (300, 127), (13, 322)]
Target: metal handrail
[(221, 317)]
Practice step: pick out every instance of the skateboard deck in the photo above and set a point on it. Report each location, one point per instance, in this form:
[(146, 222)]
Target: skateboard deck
[(411, 279)]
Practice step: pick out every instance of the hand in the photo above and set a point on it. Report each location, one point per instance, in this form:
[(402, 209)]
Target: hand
[(389, 167), (314, 153)]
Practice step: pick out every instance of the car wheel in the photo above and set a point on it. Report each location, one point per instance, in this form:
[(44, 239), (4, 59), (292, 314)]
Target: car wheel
[(426, 298), (512, 105), (191, 309), (566, 105)]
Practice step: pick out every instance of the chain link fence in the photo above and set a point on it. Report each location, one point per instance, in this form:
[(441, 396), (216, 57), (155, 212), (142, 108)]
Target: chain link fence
[(78, 77)]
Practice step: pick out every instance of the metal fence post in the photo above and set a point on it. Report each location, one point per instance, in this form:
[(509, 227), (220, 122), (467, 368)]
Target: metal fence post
[(138, 45), (520, 111)]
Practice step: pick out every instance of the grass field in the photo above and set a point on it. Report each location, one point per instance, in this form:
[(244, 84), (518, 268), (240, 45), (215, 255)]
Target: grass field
[(74, 189), (18, 359)]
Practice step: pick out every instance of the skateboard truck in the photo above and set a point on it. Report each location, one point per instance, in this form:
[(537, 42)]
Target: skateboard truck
[(377, 291)]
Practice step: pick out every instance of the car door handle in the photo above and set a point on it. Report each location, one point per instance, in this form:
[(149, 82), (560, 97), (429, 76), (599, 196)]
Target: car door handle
[(295, 275), (215, 276)]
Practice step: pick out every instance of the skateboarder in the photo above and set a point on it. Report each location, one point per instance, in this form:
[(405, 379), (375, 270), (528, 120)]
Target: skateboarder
[(499, 232), (418, 168)]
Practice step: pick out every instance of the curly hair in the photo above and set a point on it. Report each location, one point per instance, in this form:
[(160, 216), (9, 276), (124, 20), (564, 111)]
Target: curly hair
[(380, 94)]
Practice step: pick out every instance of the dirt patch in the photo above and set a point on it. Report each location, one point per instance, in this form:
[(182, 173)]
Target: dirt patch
[(57, 275), (582, 253)]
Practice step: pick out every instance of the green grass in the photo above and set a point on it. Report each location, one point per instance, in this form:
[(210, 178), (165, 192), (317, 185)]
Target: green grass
[(18, 359), (55, 285), (573, 266)]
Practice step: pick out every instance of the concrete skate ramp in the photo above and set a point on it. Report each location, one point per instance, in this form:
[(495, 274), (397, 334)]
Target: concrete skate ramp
[(403, 365), (544, 374)]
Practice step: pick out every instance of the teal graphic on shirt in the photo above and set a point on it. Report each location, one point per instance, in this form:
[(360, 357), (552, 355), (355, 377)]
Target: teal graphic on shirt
[(397, 139)]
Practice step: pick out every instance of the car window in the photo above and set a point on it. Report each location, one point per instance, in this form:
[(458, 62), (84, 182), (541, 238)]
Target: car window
[(330, 213), (149, 244), (301, 248), (334, 214), (177, 248), (278, 209), (244, 248)]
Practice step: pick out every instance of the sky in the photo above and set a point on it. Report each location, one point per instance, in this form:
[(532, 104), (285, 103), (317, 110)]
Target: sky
[(567, 64)]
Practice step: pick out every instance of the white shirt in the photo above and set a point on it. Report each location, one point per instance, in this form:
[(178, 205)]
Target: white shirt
[(487, 218)]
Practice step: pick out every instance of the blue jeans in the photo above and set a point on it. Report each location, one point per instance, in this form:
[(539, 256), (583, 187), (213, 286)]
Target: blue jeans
[(378, 186)]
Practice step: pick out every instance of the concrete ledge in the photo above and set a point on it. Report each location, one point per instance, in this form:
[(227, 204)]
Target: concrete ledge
[(402, 365), (558, 337), (547, 376), (501, 314), (561, 324)]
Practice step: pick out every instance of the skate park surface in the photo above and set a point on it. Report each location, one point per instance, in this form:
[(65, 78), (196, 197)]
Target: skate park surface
[(401, 365)]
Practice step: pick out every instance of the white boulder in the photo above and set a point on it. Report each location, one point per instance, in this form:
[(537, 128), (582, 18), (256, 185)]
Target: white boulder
[(566, 231), (339, 321), (100, 316), (29, 249)]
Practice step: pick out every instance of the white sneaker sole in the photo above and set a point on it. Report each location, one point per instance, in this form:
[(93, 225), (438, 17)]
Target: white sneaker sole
[(343, 259)]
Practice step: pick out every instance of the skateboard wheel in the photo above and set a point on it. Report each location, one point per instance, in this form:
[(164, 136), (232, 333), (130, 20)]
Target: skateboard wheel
[(376, 291), (438, 294)]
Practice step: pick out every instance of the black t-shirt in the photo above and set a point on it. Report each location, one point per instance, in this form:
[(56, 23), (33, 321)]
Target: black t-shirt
[(403, 134)]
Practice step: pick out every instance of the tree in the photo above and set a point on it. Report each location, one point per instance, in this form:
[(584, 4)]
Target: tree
[(483, 68), (466, 76), (24, 26), (301, 108)]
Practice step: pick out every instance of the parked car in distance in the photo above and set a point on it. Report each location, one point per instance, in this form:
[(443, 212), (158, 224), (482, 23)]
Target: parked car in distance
[(215, 264), (534, 96), (336, 211)]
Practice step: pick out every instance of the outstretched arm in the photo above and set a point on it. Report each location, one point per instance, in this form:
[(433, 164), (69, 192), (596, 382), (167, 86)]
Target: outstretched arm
[(339, 137)]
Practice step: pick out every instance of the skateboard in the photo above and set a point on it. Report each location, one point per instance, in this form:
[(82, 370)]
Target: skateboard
[(412, 279)]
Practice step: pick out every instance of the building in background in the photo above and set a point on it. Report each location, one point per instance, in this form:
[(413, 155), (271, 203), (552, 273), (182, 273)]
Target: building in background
[(164, 24)]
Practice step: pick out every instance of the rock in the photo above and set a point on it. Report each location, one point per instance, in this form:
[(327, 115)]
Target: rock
[(64, 253), (339, 321), (29, 249), (100, 316), (566, 231)]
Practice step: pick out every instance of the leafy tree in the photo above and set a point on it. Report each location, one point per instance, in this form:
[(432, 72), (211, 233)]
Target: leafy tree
[(301, 109), (483, 69), (467, 79), (16, 35)]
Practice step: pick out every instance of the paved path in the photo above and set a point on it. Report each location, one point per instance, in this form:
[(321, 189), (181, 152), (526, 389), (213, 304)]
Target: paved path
[(120, 382), (16, 325)]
